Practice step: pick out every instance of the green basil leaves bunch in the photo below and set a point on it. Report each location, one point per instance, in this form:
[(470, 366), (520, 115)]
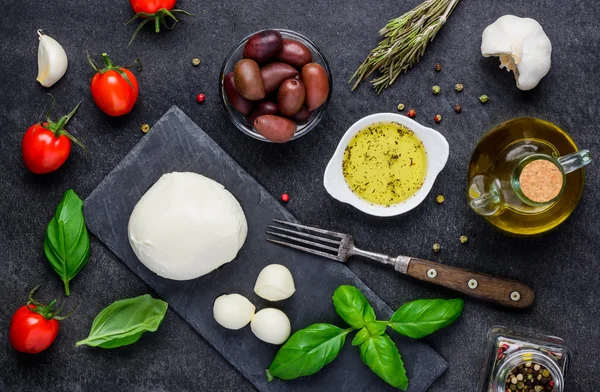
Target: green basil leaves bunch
[(309, 350)]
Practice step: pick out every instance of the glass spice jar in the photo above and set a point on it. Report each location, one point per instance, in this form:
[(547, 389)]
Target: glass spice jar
[(523, 361)]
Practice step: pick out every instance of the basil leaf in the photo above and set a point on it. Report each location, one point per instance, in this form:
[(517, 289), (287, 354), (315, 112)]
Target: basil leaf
[(123, 322), (425, 316), (376, 328), (352, 306), (381, 355), (361, 336), (307, 351), (67, 243)]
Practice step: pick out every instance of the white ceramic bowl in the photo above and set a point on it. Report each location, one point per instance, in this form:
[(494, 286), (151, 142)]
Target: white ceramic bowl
[(437, 150)]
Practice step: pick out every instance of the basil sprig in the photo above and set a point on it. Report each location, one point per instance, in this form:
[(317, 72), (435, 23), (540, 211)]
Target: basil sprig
[(308, 350), (123, 322), (67, 243)]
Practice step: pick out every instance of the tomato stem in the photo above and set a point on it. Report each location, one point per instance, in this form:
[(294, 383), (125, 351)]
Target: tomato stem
[(107, 62), (47, 311), (59, 129), (109, 66), (159, 17)]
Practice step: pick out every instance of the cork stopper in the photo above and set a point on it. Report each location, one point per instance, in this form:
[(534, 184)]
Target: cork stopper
[(541, 181)]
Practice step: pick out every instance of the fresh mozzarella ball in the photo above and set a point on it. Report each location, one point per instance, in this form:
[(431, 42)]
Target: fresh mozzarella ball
[(186, 225), (271, 325), (274, 283), (233, 311)]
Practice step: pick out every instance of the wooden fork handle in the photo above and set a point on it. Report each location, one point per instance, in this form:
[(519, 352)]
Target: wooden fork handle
[(485, 287)]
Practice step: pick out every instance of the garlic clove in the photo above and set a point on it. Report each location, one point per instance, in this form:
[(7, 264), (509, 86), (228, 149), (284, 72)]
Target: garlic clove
[(275, 283), (233, 311), (52, 60), (522, 46)]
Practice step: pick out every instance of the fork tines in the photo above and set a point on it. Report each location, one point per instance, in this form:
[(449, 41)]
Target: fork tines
[(319, 244)]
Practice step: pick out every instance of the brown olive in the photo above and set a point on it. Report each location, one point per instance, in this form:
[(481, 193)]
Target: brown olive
[(294, 53), (316, 81), (263, 45), (248, 80), (275, 128), (240, 103), (302, 116), (274, 73), (290, 97), (263, 107)]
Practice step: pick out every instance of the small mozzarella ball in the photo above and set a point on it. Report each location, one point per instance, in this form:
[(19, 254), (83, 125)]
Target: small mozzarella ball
[(271, 326), (274, 283), (233, 311)]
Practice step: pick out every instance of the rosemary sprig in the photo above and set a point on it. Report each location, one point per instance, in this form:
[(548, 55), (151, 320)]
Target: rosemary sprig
[(406, 39)]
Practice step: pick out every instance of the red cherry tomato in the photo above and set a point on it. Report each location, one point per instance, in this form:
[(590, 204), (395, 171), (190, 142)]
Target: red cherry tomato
[(112, 94), (43, 151), (45, 147), (114, 88), (34, 327), (151, 6), (31, 332)]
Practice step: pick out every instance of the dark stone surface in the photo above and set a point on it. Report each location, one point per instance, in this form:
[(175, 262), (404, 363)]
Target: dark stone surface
[(175, 143), (561, 266)]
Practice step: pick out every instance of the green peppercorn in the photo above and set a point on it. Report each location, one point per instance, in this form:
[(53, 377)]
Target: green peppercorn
[(439, 199), (459, 87), (436, 247), (436, 90), (463, 240), (400, 106), (484, 98), (195, 61)]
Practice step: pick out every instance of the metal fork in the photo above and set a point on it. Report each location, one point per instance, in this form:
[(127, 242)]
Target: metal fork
[(339, 247)]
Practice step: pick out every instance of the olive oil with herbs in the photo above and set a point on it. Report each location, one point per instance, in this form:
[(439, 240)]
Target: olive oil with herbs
[(385, 163)]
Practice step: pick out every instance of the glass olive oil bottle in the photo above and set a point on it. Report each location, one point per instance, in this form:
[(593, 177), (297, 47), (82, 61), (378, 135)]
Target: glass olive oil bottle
[(502, 155)]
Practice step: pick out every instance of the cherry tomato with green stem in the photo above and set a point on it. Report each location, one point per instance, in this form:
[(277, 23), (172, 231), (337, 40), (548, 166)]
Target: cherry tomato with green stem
[(34, 327), (46, 146), (114, 88), (156, 11)]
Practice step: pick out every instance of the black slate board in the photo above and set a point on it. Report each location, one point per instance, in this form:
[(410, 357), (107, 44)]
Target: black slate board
[(175, 143)]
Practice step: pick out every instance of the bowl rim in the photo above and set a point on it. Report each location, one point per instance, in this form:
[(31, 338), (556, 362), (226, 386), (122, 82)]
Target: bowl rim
[(302, 129), (437, 152)]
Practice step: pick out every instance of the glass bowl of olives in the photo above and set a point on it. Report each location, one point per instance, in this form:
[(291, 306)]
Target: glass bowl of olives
[(275, 85)]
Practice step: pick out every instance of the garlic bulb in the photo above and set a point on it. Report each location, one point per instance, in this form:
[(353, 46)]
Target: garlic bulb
[(522, 46), (52, 61)]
